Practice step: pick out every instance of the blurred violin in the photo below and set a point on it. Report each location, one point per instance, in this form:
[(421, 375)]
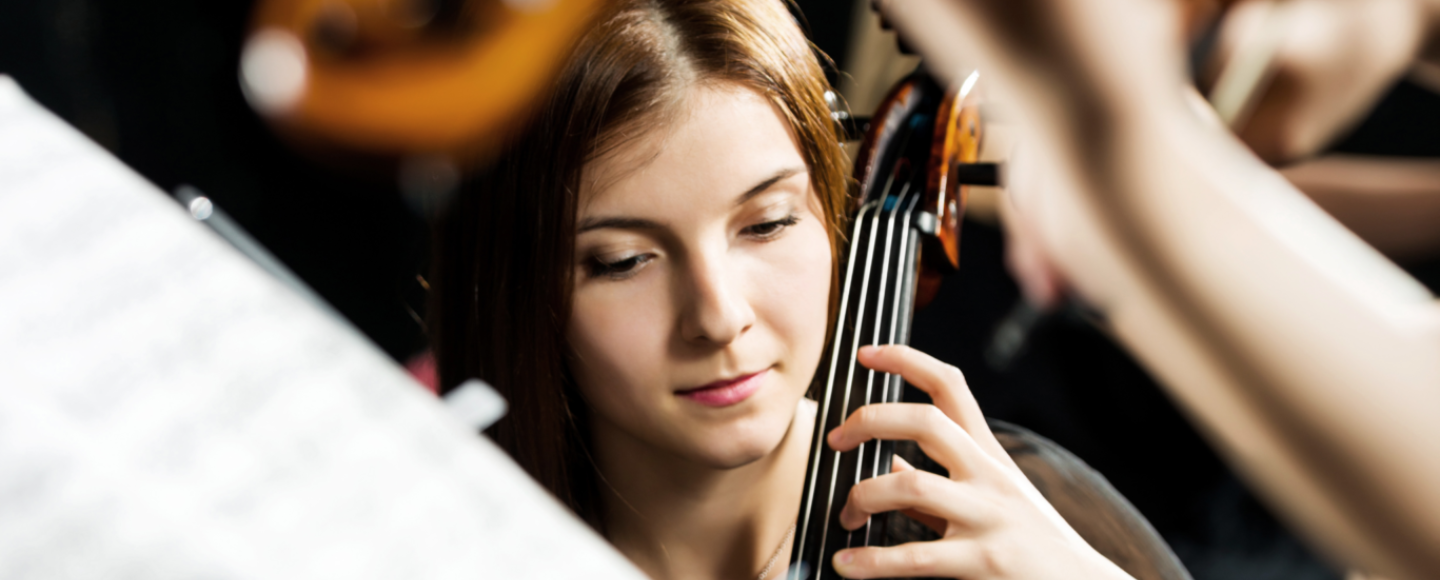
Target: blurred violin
[(405, 77)]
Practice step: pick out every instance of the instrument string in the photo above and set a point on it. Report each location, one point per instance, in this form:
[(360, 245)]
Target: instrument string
[(850, 371), (829, 385), (871, 209), (902, 276), (880, 303), (879, 202), (904, 170), (896, 296)]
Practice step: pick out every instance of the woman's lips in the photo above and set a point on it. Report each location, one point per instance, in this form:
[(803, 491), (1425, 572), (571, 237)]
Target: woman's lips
[(728, 392)]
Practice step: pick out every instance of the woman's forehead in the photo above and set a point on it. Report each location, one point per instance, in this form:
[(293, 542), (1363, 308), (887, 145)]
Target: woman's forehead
[(726, 139)]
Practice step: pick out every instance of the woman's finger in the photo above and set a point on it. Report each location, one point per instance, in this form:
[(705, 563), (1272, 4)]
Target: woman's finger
[(922, 491), (939, 437), (943, 382), (936, 524), (947, 559)]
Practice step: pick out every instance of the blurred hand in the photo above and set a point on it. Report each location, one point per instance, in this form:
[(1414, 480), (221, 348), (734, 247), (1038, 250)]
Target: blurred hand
[(1336, 59), (1030, 264), (1078, 74)]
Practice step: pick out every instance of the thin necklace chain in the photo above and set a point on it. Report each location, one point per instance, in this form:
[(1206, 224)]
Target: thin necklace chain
[(776, 556)]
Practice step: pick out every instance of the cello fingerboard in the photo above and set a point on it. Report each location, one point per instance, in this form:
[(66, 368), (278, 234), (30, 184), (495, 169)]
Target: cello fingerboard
[(878, 289)]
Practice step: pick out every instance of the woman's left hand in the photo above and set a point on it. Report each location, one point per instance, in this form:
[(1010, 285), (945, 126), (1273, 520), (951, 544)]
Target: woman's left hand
[(993, 522)]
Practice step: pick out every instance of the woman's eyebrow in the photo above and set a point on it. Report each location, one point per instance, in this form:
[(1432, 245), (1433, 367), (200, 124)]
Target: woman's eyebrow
[(760, 188), (629, 223), (618, 223)]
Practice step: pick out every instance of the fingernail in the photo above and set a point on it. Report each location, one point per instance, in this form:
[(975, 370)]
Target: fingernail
[(834, 437), (845, 557)]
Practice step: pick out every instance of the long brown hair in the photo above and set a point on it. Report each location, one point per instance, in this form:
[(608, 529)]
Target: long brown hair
[(501, 285)]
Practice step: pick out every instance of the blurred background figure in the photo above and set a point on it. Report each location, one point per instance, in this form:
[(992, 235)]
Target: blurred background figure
[(248, 102)]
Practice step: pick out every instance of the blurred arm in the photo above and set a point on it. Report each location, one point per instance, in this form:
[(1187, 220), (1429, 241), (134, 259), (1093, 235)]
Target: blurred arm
[(1313, 361), (1335, 60), (1310, 360), (1391, 203)]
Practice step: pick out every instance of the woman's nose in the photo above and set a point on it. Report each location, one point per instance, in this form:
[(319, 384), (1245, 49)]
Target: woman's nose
[(717, 310)]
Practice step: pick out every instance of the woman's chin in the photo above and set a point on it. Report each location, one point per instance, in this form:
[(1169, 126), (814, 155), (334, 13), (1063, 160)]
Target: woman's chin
[(734, 446), (735, 456)]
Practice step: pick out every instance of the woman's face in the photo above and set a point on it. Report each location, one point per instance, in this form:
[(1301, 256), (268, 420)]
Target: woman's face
[(702, 282)]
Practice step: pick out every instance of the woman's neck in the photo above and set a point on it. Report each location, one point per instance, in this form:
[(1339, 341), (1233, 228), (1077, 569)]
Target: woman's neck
[(676, 518)]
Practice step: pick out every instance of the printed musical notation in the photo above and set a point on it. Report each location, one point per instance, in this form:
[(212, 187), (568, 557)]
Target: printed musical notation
[(167, 410)]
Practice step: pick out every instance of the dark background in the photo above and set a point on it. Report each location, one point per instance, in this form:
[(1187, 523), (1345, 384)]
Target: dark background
[(155, 82)]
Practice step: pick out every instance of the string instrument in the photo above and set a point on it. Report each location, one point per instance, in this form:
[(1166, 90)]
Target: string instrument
[(405, 77), (919, 153)]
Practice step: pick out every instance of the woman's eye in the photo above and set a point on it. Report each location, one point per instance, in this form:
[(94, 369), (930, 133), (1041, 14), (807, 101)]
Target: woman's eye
[(618, 269), (770, 229)]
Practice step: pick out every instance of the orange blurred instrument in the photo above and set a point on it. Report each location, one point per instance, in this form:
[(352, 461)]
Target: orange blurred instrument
[(405, 77)]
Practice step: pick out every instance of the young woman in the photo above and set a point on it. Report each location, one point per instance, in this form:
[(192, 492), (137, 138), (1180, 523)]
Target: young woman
[(647, 276)]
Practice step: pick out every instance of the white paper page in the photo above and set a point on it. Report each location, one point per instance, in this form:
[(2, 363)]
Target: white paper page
[(169, 411)]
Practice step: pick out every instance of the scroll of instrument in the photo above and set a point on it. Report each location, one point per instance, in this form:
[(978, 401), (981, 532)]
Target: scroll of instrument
[(445, 78), (919, 153)]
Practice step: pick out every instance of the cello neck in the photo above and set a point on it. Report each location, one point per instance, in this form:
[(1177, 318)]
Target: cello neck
[(910, 172), (876, 303)]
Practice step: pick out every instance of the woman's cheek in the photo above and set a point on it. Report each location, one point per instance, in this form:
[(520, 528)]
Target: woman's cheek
[(799, 280), (614, 336)]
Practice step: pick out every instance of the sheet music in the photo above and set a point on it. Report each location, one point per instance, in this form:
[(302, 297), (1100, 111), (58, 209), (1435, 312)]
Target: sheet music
[(169, 411)]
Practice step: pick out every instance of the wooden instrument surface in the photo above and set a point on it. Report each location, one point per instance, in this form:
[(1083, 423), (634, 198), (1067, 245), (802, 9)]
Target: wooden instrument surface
[(416, 77)]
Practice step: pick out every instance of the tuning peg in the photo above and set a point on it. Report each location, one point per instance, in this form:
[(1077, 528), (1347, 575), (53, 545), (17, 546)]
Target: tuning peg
[(977, 173)]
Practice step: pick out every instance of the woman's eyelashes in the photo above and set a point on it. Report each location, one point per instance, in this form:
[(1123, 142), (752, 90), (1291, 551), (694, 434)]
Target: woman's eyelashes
[(771, 229), (624, 267), (617, 268)]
